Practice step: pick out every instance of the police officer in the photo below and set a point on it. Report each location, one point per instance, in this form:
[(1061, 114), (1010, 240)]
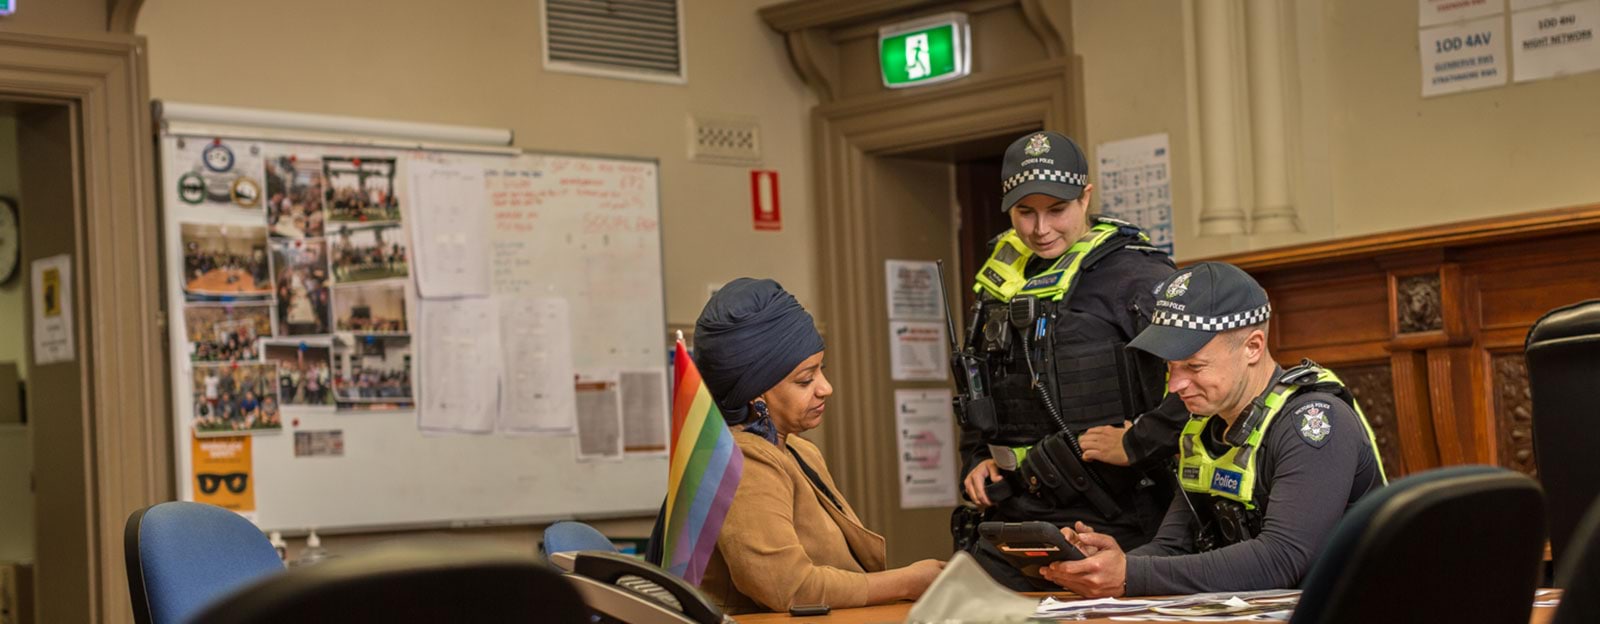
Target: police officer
[(1059, 297), (1268, 465)]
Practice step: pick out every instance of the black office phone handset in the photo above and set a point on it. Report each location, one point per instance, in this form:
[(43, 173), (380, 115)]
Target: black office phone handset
[(622, 588), (1029, 545)]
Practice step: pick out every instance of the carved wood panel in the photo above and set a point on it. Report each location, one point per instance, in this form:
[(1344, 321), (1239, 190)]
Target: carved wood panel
[(1513, 412), (1419, 305), (1373, 387)]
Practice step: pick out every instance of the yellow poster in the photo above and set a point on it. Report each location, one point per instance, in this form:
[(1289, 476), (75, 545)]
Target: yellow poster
[(52, 293), (222, 473)]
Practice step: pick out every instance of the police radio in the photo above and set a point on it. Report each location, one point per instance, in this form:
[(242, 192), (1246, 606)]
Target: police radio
[(973, 405)]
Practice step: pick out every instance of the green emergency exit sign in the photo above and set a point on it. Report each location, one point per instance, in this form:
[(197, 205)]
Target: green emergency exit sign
[(925, 51), (8, 7)]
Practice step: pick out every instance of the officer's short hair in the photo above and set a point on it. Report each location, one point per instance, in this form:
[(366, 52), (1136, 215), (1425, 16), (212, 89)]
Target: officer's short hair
[(1237, 336)]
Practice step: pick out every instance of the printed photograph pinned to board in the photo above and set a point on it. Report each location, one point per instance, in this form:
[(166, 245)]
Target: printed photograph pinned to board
[(218, 172), (294, 196), (370, 308), (301, 285), (645, 418), (360, 189), (230, 399), (224, 262), (222, 473), (220, 332), (372, 371), (599, 416), (305, 371), (371, 252), (329, 443)]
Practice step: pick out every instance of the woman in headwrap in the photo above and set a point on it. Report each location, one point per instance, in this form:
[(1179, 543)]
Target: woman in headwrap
[(790, 537)]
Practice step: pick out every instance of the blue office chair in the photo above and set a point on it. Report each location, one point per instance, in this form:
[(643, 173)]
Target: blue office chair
[(1578, 574), (417, 580), (572, 536), (182, 556), (1457, 544)]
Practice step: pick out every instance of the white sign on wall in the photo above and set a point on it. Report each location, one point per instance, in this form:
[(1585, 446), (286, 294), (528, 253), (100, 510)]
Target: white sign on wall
[(1463, 57), (927, 449), (1555, 40), (1436, 12)]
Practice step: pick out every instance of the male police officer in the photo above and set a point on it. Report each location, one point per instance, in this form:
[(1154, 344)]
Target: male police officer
[(1058, 298), (1268, 465)]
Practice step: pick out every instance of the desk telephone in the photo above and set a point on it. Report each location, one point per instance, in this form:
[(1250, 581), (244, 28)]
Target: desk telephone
[(622, 589)]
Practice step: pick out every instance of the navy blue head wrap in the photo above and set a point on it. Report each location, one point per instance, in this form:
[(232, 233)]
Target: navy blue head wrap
[(750, 336)]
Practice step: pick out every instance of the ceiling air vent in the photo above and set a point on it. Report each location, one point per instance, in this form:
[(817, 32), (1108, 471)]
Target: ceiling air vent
[(636, 39), (725, 139)]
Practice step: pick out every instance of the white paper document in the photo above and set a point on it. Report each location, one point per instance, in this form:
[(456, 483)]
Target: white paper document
[(450, 230), (1136, 185), (599, 415), (536, 392), (1556, 40), (52, 310), (918, 351), (927, 448), (1463, 56), (460, 365), (1435, 12), (645, 420), (914, 293)]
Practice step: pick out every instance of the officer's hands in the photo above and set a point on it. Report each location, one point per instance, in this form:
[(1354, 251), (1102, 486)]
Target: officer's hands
[(976, 480), (1101, 575), (1104, 444), (1074, 536)]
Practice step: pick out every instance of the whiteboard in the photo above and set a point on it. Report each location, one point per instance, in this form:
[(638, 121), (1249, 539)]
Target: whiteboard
[(580, 228)]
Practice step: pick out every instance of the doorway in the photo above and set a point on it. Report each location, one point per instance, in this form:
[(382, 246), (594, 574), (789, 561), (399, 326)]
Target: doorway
[(95, 407)]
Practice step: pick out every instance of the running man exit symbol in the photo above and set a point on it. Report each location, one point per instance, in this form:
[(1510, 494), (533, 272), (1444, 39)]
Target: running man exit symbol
[(917, 56)]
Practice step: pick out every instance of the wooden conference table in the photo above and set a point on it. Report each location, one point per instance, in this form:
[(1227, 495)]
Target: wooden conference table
[(896, 612)]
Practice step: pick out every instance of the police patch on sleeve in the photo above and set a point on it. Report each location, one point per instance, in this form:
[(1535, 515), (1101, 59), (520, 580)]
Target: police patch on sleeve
[(1314, 425)]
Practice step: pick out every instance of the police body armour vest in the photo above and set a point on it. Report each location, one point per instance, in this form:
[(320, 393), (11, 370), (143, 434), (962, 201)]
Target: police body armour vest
[(1232, 475), (1087, 369)]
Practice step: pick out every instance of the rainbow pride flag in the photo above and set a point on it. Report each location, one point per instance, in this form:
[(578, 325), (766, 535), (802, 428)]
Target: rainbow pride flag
[(706, 466)]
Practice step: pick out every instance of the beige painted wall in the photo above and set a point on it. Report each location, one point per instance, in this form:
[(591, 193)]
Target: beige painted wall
[(477, 62), (1373, 155)]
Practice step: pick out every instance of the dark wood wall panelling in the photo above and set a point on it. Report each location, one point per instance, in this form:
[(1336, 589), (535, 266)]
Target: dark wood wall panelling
[(1426, 326)]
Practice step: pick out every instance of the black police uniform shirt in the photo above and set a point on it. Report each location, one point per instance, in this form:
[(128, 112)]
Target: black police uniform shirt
[(1307, 483), (1117, 289)]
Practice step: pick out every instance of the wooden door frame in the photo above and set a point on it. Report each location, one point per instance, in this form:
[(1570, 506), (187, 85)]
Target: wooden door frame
[(845, 135), (120, 327)]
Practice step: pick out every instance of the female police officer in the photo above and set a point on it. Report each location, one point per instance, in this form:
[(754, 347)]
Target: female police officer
[(1059, 297)]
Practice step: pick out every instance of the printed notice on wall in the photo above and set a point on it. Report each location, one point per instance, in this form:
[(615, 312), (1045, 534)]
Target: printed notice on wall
[(913, 290), (1555, 40), (1436, 12), (223, 473), (918, 351), (1463, 57), (927, 449), (1136, 185), (52, 310)]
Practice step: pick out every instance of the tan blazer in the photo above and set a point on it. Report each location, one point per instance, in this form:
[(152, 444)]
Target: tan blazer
[(783, 543)]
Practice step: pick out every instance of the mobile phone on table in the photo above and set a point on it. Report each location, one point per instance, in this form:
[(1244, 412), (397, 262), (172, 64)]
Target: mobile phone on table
[(808, 610), (1029, 545)]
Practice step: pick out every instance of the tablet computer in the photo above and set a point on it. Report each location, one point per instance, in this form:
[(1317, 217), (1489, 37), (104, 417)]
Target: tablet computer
[(1029, 545)]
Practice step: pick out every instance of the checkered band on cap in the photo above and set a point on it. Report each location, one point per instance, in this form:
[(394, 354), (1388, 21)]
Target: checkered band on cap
[(1048, 175), (1211, 323)]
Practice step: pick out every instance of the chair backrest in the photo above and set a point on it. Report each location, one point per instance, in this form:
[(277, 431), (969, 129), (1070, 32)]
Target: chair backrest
[(1578, 575), (1458, 544), (413, 581), (570, 536), (1563, 354), (182, 556)]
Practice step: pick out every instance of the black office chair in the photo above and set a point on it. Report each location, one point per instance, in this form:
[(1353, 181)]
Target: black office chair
[(1458, 544), (418, 581), (1579, 574), (1563, 351)]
